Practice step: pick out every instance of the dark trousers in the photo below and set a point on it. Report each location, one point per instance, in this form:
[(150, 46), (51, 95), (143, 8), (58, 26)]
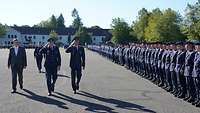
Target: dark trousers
[(75, 77), (39, 63), (181, 81), (174, 80), (196, 81), (51, 77), (17, 71), (190, 87), (168, 78)]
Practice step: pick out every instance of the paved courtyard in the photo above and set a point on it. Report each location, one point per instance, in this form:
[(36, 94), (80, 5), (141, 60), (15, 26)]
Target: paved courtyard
[(105, 88)]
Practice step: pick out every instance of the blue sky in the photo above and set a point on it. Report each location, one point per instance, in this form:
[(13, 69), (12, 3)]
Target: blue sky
[(92, 12)]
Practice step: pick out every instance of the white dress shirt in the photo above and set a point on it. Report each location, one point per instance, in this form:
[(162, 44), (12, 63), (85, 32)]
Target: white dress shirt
[(16, 50)]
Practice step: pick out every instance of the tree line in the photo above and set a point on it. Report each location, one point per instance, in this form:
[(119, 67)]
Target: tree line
[(156, 25), (150, 26)]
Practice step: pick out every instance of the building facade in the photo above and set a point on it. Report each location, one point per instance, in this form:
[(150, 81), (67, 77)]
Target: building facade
[(31, 36)]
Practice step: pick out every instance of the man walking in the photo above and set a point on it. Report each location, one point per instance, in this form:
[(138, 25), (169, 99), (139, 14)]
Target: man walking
[(38, 57), (52, 63), (17, 61), (77, 62)]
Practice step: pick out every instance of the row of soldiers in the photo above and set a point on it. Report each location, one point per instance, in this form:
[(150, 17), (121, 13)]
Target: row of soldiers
[(173, 66)]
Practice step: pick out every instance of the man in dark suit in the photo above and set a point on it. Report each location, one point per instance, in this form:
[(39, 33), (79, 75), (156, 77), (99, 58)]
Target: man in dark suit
[(17, 61), (77, 62), (38, 57), (52, 64)]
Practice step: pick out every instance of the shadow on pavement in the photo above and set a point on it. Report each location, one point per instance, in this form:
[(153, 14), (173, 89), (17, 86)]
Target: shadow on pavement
[(118, 103), (61, 75), (92, 107), (43, 99)]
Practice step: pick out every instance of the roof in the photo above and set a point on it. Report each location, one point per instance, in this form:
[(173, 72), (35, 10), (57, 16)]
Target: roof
[(60, 31)]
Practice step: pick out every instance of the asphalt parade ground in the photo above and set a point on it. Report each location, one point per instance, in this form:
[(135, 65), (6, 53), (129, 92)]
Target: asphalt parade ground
[(105, 88)]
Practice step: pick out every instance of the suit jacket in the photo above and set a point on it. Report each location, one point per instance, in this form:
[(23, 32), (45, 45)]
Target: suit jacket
[(19, 59), (77, 57)]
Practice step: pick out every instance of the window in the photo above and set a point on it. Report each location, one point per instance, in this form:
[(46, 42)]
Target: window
[(94, 38), (5, 42), (33, 37), (15, 36), (43, 38), (11, 36), (60, 38), (9, 42), (8, 37)]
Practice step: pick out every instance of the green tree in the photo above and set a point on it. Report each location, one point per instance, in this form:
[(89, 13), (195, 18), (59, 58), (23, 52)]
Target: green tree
[(77, 20), (191, 22), (60, 21), (168, 26), (120, 31), (2, 30), (53, 35), (152, 30), (53, 22), (138, 27), (85, 37), (96, 27)]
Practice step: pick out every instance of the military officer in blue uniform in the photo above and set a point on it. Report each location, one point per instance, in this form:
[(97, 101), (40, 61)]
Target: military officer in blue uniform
[(77, 62), (189, 63), (179, 69), (172, 68), (167, 69), (38, 57), (160, 72), (52, 63), (196, 75)]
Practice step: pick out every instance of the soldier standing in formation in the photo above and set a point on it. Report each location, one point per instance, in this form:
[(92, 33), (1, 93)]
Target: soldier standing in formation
[(173, 66)]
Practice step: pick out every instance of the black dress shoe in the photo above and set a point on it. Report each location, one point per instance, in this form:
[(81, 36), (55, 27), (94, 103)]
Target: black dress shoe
[(49, 94), (198, 104), (190, 100), (181, 96), (195, 102), (14, 91), (186, 98), (74, 92)]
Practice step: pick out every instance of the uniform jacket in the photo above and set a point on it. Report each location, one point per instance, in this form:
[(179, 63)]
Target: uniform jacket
[(52, 56), (77, 57)]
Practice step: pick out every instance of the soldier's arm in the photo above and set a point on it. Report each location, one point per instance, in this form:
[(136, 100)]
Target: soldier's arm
[(9, 59), (59, 58), (69, 49), (83, 58)]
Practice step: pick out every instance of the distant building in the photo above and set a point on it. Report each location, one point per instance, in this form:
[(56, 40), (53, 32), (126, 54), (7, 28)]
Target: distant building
[(31, 36)]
